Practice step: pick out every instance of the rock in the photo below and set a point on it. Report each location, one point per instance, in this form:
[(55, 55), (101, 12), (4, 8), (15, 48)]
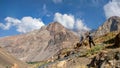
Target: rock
[(15, 65), (65, 53), (112, 24), (106, 59), (62, 64), (117, 55), (98, 60), (117, 41)]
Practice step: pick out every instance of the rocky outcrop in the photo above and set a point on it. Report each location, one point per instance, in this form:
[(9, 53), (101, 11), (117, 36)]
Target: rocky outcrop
[(106, 59), (117, 41), (40, 45), (98, 60), (112, 24)]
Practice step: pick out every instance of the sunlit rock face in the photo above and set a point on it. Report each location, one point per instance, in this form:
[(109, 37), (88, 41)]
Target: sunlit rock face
[(112, 24), (40, 45)]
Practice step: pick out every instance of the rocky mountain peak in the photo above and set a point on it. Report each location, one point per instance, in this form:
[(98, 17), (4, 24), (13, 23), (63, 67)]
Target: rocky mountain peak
[(40, 45), (55, 27), (114, 18), (112, 24)]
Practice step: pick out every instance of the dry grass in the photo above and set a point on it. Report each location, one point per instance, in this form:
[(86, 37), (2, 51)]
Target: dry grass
[(107, 38), (94, 50)]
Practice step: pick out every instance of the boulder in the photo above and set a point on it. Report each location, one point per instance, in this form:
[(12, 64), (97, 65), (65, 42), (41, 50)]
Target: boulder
[(117, 40)]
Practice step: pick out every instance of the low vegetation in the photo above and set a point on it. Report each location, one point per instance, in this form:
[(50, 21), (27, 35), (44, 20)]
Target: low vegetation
[(36, 64), (95, 50), (107, 38)]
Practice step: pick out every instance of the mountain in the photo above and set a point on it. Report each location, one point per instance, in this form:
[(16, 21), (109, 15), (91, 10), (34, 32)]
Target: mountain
[(40, 45), (103, 51), (112, 24), (8, 61)]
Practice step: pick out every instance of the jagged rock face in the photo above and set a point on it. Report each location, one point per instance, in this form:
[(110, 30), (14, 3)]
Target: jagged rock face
[(117, 40), (40, 45), (61, 35), (112, 24)]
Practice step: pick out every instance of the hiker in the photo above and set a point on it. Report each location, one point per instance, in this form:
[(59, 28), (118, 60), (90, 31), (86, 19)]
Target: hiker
[(90, 40)]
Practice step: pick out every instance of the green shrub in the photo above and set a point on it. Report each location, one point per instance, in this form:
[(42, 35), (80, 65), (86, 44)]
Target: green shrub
[(37, 64), (95, 50)]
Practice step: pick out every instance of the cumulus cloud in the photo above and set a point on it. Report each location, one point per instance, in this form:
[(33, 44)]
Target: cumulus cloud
[(65, 20), (6, 26), (70, 22), (24, 25), (79, 25), (57, 1), (112, 8)]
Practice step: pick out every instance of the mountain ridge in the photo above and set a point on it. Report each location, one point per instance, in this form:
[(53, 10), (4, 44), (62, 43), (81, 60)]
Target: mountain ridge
[(40, 44), (112, 24)]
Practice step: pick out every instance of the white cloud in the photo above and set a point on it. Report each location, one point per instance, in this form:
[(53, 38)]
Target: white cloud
[(29, 24), (24, 25), (57, 1), (79, 25), (10, 22), (6, 26), (112, 8), (44, 9), (70, 22), (66, 20)]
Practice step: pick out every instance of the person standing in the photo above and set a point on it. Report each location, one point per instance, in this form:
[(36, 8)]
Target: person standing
[(90, 40)]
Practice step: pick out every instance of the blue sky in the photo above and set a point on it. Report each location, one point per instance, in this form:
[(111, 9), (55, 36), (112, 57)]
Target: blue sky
[(22, 16)]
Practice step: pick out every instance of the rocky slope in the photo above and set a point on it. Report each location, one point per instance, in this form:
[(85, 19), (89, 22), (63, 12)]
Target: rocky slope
[(117, 40), (71, 63), (103, 55), (40, 44), (8, 61), (103, 51), (112, 24)]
